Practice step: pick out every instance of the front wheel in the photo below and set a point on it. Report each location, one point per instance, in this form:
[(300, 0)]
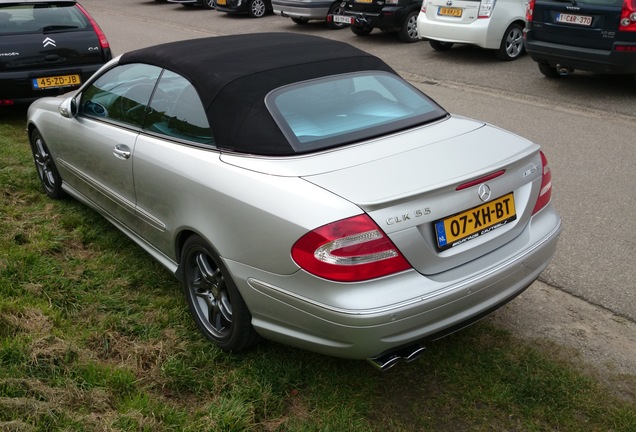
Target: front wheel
[(47, 171), (408, 32), (439, 45), (336, 9), (214, 301), (361, 31), (511, 47), (257, 8)]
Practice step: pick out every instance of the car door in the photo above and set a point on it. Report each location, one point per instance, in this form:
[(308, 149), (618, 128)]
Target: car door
[(97, 151), (175, 158)]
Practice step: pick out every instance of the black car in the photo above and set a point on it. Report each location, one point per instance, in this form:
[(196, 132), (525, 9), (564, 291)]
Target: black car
[(47, 48), (592, 35), (254, 8), (387, 15)]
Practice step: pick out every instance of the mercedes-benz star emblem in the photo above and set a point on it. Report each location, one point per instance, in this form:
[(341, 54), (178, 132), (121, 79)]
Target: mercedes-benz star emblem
[(484, 192)]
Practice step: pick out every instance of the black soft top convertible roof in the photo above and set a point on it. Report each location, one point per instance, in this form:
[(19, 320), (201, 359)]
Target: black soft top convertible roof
[(233, 74)]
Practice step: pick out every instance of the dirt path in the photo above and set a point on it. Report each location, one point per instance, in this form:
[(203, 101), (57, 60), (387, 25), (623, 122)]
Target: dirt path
[(605, 343)]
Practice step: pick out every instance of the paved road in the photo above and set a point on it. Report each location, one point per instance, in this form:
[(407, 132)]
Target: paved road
[(586, 123)]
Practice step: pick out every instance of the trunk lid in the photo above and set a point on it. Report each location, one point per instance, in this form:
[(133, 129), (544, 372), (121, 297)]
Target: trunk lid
[(34, 51), (460, 12), (408, 183), (582, 23)]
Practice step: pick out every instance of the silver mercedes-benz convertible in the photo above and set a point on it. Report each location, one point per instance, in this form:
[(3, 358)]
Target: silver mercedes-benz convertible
[(302, 191)]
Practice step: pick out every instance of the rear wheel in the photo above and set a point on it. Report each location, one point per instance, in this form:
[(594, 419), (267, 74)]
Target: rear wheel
[(335, 9), (257, 8), (511, 47), (439, 45), (361, 31), (549, 71), (408, 32), (209, 4), (47, 171), (215, 303)]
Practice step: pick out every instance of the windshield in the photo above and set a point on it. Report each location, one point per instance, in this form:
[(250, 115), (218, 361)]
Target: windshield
[(341, 109)]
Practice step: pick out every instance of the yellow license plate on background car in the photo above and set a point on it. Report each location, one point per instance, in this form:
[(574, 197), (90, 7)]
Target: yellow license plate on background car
[(221, 2), (56, 81), (462, 227), (456, 12)]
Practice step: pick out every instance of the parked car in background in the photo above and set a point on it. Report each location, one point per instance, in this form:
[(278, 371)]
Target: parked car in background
[(47, 48), (254, 8), (387, 15), (207, 4), (303, 11), (303, 192), (490, 24), (591, 35)]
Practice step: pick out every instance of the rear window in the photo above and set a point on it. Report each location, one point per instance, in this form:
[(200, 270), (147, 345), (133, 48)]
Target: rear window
[(341, 109), (41, 18)]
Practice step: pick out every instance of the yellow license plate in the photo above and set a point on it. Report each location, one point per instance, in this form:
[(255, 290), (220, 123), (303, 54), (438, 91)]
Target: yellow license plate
[(462, 227), (363, 1), (456, 12), (56, 81), (221, 2)]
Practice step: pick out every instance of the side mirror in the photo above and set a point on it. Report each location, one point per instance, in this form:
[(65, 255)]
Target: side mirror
[(68, 107)]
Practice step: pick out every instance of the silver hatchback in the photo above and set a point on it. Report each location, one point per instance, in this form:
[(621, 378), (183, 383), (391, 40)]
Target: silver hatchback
[(314, 199)]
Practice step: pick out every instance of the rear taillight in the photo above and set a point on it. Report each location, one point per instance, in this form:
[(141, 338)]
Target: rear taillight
[(529, 11), (349, 250), (103, 42), (485, 8), (546, 185), (424, 3), (628, 16)]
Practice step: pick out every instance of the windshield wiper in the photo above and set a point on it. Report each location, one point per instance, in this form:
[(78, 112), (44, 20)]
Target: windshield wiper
[(52, 28)]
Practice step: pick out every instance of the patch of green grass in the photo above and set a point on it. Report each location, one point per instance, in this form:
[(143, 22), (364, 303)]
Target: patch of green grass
[(95, 336)]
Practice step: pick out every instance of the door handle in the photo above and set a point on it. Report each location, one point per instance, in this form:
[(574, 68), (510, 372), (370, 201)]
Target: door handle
[(121, 151)]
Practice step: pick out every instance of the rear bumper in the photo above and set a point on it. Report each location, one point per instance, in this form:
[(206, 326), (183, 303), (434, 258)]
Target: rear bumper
[(587, 59), (390, 17), (480, 32), (310, 10), (367, 319), (18, 86)]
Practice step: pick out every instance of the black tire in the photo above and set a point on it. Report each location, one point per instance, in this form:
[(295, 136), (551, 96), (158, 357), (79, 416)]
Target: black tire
[(257, 8), (408, 32), (300, 21), (549, 71), (511, 47), (439, 45), (361, 31), (214, 301), (209, 4), (45, 165), (336, 9)]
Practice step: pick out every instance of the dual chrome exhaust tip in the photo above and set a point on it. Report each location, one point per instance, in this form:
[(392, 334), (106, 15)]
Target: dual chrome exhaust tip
[(387, 360)]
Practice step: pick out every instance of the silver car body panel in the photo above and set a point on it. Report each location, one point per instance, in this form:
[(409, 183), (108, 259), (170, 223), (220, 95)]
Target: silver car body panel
[(166, 189)]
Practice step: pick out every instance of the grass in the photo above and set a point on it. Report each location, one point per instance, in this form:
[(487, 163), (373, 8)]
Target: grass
[(95, 336)]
